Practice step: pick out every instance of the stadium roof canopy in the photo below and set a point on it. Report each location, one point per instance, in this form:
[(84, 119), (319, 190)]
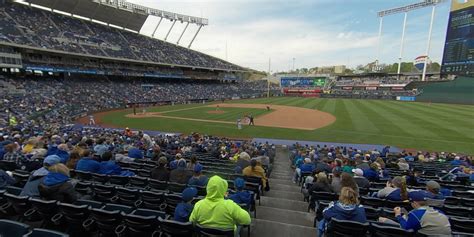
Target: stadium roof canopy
[(115, 12)]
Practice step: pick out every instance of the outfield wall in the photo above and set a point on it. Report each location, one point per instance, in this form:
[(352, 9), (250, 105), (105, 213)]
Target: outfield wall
[(458, 91)]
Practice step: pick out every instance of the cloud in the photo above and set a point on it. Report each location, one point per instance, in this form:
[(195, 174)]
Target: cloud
[(315, 33)]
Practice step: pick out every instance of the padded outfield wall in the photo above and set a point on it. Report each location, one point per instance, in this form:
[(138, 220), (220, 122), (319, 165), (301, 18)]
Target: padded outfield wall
[(458, 91)]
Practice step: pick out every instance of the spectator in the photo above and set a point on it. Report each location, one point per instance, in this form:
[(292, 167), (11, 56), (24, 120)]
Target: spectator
[(360, 180), (349, 165), (100, 147), (215, 211), (56, 185), (63, 153), (372, 174), (198, 178), (336, 180), (88, 164), (244, 160), (240, 196), (108, 165), (256, 170), (183, 209), (193, 162), (74, 157), (180, 174), (403, 165), (348, 181), (433, 190), (423, 219), (161, 173), (5, 179), (396, 190), (347, 208), (31, 187), (135, 153), (306, 167), (12, 154)]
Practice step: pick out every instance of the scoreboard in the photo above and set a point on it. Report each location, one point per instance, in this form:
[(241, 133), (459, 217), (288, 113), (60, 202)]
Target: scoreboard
[(458, 56), (301, 81)]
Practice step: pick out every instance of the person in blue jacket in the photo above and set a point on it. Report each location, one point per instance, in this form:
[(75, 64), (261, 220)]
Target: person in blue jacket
[(198, 178), (87, 163), (423, 219), (6, 179), (183, 209), (108, 166), (346, 208), (31, 187), (241, 196)]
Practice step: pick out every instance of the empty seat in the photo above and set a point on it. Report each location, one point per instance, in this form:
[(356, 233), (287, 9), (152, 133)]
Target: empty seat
[(71, 217), (127, 196), (462, 225), (320, 196), (380, 230), (452, 200), (83, 188), (457, 211), (467, 202), (13, 229), (372, 213), (176, 187), (152, 200), (42, 210), (103, 193), (158, 185), (38, 232), (176, 228), (137, 181), (141, 222), (90, 203), (343, 228), (105, 220), (118, 180), (82, 175), (100, 178), (16, 205), (372, 201)]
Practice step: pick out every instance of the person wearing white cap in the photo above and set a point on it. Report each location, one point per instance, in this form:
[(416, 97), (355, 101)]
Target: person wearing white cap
[(359, 178), (306, 167)]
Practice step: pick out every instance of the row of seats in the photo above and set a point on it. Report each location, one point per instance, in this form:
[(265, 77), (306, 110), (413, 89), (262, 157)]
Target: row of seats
[(106, 219), (10, 228), (344, 228)]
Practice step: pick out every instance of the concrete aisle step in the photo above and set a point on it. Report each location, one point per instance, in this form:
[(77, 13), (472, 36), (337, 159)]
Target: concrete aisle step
[(285, 216), (281, 181), (266, 228), (283, 204), (285, 187), (294, 196), (282, 212)]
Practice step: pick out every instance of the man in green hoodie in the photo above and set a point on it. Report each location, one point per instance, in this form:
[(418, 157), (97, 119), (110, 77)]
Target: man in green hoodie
[(215, 211)]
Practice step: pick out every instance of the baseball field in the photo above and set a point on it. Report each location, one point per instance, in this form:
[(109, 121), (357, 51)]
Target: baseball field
[(411, 125)]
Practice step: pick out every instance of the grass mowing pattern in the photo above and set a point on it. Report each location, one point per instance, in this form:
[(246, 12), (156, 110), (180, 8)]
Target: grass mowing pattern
[(437, 127), (229, 115)]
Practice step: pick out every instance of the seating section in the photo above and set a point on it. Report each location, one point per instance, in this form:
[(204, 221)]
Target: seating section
[(42, 29), (457, 204)]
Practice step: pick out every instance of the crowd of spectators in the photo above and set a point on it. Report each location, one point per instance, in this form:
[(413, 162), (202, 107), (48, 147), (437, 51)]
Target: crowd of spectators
[(371, 81), (52, 101), (416, 183), (50, 156), (30, 26)]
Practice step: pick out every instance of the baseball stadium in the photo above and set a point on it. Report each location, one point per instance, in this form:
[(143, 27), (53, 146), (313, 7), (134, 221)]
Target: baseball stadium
[(112, 124)]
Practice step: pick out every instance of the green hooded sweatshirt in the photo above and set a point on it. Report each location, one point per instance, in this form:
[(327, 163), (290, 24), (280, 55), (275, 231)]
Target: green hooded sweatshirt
[(215, 211)]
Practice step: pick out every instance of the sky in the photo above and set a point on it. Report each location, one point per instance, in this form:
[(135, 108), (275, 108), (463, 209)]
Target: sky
[(313, 32)]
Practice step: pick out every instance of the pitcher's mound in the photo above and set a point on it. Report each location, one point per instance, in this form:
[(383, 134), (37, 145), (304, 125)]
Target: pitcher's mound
[(216, 112)]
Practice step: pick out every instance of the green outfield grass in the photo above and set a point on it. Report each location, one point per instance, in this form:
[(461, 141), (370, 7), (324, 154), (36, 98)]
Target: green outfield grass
[(204, 112), (437, 127)]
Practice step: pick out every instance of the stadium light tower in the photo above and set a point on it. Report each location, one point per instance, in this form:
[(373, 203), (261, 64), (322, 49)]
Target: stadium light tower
[(405, 10)]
